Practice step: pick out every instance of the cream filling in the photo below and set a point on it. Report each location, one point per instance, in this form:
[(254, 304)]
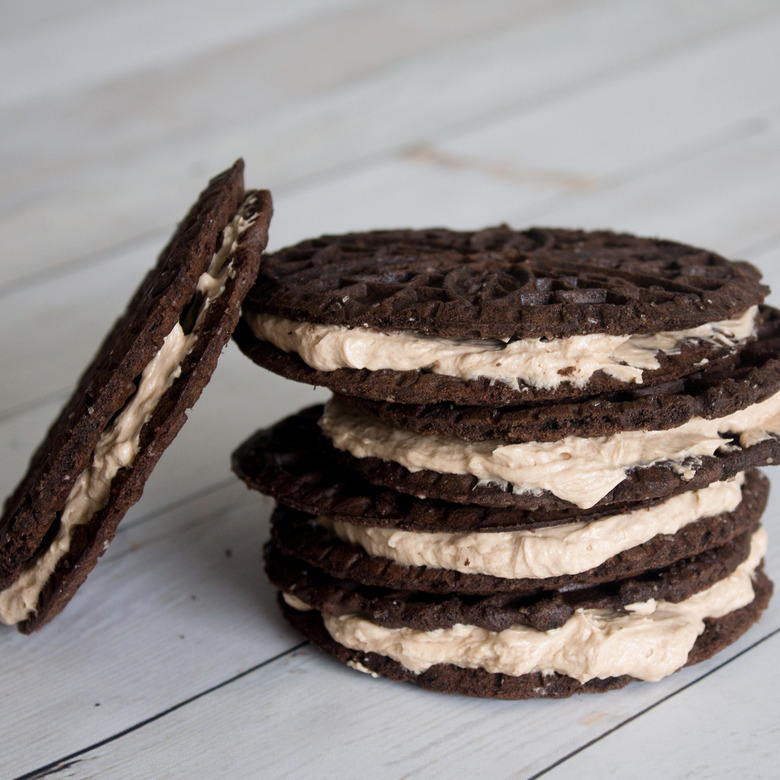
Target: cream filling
[(542, 552), (576, 469), (647, 640), (541, 363), (118, 446)]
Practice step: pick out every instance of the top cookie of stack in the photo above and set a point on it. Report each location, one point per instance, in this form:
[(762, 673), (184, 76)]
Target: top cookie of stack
[(495, 317), (506, 395)]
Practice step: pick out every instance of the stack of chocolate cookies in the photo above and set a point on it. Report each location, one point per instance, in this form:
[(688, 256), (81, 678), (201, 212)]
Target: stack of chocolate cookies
[(537, 474)]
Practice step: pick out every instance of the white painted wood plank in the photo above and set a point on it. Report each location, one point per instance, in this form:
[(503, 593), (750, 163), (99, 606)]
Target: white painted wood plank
[(18, 17), (725, 727), (633, 119), (723, 197), (98, 159), (398, 193), (52, 331), (768, 260), (177, 605), (20, 434), (111, 40), (306, 715), (123, 123)]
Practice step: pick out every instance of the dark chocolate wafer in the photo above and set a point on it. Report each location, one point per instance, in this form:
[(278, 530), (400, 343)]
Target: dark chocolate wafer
[(642, 484), (299, 535), (419, 387), (501, 283), (224, 233)]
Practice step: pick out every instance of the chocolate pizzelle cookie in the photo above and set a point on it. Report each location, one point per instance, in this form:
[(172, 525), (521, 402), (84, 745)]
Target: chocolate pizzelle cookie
[(525, 561), (130, 402), (543, 609), (495, 317), (503, 677), (747, 377), (539, 462)]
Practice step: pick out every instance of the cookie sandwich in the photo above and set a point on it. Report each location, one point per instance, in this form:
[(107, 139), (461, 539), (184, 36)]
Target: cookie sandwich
[(130, 402), (537, 474), (497, 317)]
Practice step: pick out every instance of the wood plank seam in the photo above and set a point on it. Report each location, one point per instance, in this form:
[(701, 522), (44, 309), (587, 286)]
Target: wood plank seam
[(619, 70), (73, 758), (622, 69), (639, 714)]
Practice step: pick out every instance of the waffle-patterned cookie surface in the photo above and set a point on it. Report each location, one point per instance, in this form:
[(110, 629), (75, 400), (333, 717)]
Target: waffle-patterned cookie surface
[(501, 283)]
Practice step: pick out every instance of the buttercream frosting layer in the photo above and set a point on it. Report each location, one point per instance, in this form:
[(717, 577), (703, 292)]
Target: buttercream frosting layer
[(647, 640), (544, 552), (539, 363), (577, 469)]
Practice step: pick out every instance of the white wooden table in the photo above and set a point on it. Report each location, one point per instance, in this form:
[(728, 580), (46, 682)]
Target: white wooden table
[(659, 117)]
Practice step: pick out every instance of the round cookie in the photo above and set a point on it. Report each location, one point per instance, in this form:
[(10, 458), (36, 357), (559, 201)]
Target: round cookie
[(640, 484), (543, 609), (295, 464), (746, 378), (299, 535), (447, 678), (501, 283), (498, 284), (419, 387)]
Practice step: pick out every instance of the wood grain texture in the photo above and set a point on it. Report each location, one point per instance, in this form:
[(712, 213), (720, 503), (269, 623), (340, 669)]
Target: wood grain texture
[(632, 119), (93, 43), (180, 605), (722, 195), (111, 142)]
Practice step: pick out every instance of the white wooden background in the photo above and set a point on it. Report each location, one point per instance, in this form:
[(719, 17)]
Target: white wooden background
[(660, 117)]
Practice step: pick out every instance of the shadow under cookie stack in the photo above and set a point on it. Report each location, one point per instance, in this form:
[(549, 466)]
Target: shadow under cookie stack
[(537, 475)]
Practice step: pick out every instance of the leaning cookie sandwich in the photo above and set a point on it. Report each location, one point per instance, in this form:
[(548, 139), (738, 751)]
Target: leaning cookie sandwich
[(130, 402)]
